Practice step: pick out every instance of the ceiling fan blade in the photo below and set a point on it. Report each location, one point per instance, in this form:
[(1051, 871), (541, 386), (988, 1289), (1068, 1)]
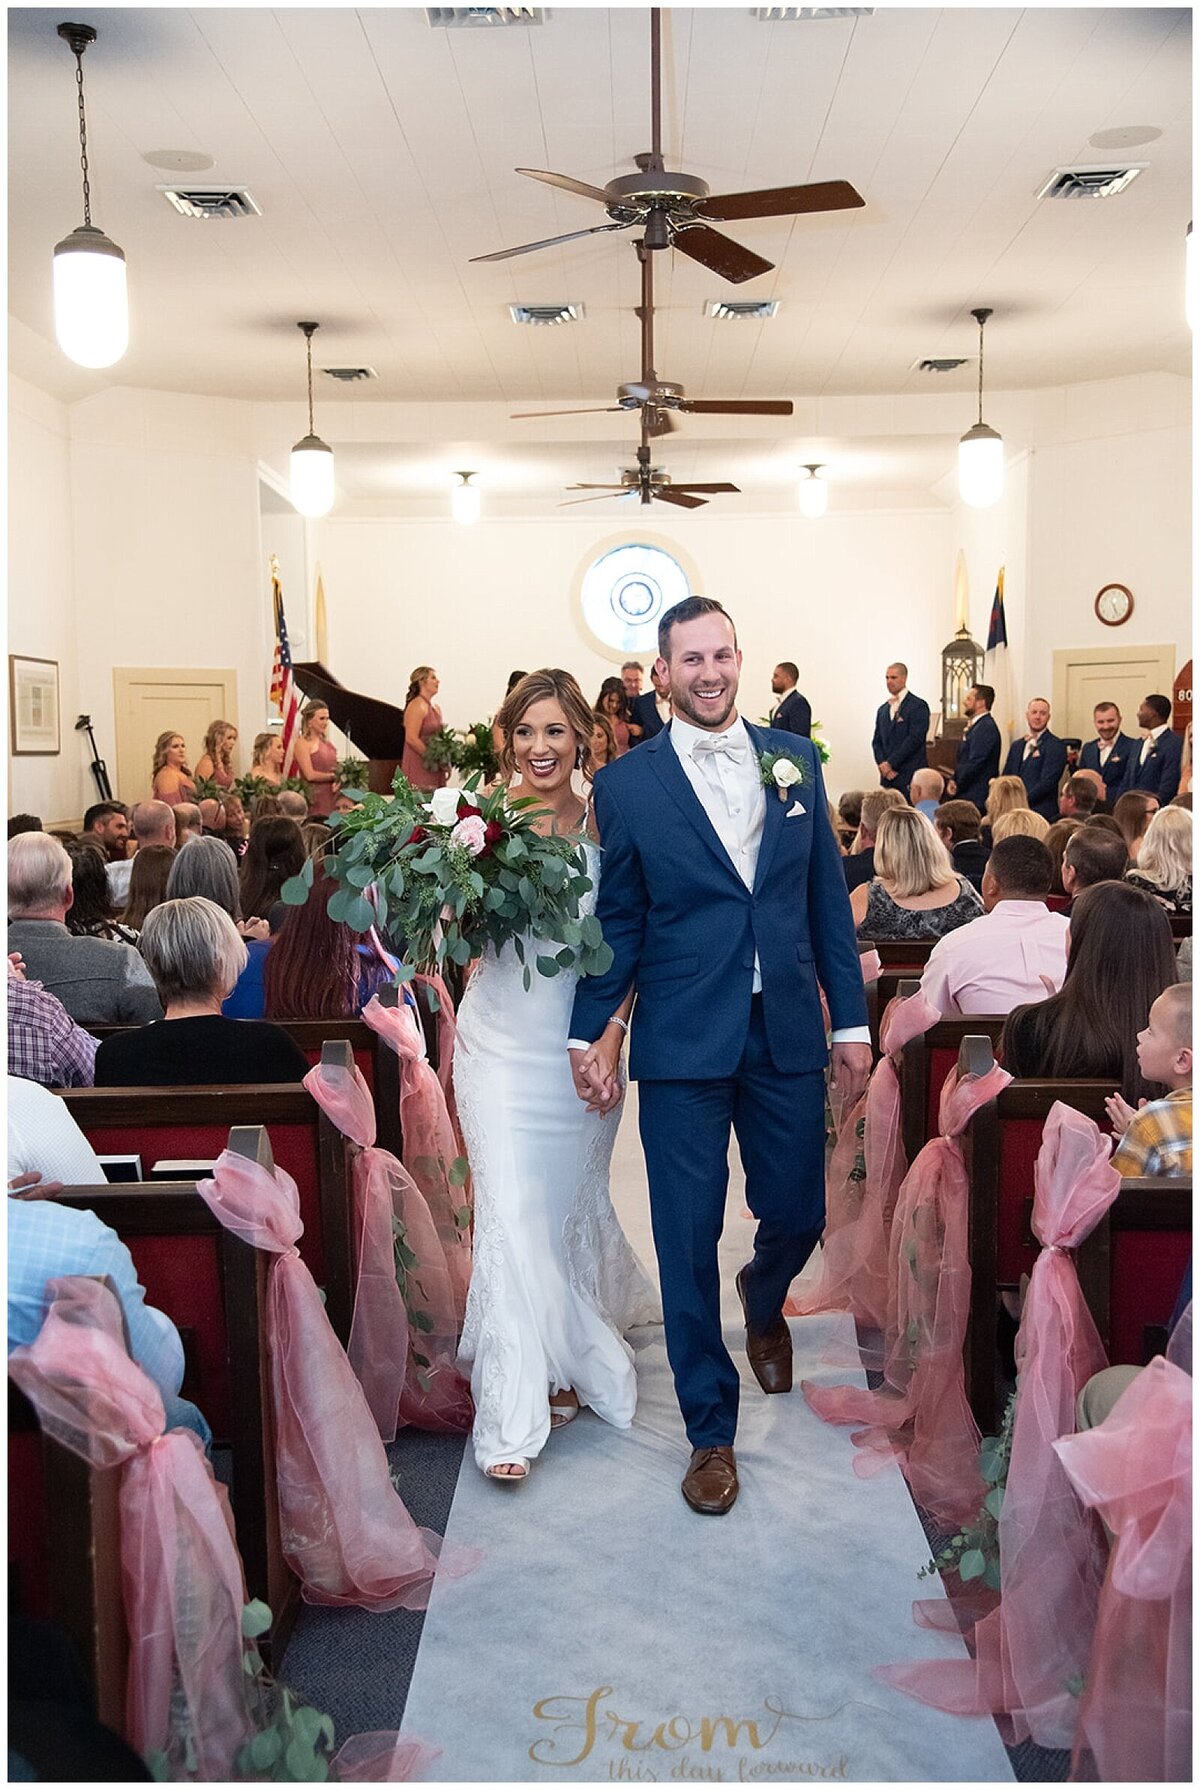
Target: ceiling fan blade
[(710, 488), (670, 494), (597, 487), (720, 254), (737, 406), (523, 416), (548, 242), (780, 201), (568, 184), (602, 498)]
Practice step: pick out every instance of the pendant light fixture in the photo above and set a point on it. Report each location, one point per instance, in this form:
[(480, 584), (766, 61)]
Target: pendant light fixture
[(91, 304), (312, 458), (981, 451), (464, 499), (814, 492)]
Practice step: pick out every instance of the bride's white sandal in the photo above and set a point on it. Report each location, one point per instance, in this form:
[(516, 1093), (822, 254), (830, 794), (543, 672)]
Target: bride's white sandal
[(509, 1478), (562, 1413)]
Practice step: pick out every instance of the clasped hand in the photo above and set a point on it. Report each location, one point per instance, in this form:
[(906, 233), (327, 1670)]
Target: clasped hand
[(597, 1074)]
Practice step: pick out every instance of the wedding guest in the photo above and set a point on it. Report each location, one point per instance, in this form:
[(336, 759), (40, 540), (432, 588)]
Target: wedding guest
[(1080, 794), (514, 678), (1133, 812), (631, 677), (316, 759), (957, 826), (1164, 860), (1020, 822), (194, 953), (216, 760), (901, 728), (266, 758), (98, 981), (613, 704), (652, 710), (212, 818), (205, 867), (147, 885), (344, 802), (264, 807), (849, 810), (275, 852), (23, 823), (1004, 795), (1015, 951), (1185, 766), (173, 782), (44, 1043), (237, 827), (1058, 901), (189, 823), (1039, 759), (317, 968), (106, 826), (152, 823), (1119, 961), (1156, 1138), (1093, 855), (603, 746), (1100, 805), (294, 805), (858, 866), (1106, 823), (422, 717), (926, 790), (916, 892), (91, 913), (316, 836)]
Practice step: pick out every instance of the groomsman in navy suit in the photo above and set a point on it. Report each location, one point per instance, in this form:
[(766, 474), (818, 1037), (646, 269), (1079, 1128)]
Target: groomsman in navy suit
[(978, 758), (901, 727), (1111, 751), (652, 710), (1039, 760), (792, 712), (1154, 765)]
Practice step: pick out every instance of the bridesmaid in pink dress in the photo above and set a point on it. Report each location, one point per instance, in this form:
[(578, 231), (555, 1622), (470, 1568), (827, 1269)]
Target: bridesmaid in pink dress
[(172, 778), (216, 761), (316, 759), (422, 718)]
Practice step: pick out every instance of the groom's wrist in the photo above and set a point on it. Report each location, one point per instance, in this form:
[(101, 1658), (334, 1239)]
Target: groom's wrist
[(578, 1044)]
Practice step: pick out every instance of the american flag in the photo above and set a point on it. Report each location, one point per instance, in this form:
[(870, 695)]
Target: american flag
[(283, 690)]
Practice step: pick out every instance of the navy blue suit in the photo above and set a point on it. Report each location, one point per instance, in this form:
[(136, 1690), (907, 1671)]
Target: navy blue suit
[(901, 743), (1115, 771), (684, 930), (794, 715), (1160, 773), (1041, 772), (644, 710), (977, 761)]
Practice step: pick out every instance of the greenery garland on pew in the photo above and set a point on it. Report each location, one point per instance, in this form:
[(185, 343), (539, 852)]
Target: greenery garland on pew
[(974, 1553)]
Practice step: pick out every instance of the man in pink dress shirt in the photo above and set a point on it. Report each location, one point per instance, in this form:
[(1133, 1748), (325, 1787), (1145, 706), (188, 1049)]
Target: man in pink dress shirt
[(1016, 951)]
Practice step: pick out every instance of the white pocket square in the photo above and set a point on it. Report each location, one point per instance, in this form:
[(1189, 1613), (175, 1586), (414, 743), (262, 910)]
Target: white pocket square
[(796, 808)]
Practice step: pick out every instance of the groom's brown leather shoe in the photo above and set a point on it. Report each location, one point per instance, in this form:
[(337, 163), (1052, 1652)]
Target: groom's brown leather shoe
[(768, 1351), (710, 1484)]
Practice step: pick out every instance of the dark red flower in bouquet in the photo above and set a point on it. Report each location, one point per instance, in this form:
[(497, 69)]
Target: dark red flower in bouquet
[(416, 836), (493, 832), (465, 808)]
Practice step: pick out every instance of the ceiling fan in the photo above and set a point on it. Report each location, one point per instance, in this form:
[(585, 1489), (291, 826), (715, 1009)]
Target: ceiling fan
[(656, 398), (675, 209), (648, 483)]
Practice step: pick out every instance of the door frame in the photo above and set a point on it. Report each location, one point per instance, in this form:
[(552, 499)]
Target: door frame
[(1063, 658), (127, 677)]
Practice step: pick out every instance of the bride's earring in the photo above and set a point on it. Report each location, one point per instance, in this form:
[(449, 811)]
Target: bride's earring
[(580, 758)]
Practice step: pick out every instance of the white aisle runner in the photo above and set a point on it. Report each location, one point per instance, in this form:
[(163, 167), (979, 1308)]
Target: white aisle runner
[(611, 1634)]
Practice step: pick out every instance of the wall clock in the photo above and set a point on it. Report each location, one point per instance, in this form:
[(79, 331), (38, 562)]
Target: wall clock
[(1114, 604)]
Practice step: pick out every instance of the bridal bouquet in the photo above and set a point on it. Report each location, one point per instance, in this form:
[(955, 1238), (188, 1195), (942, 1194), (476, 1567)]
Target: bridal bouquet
[(455, 871)]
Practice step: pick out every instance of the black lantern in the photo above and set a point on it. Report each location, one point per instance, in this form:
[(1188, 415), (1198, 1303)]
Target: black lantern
[(962, 666)]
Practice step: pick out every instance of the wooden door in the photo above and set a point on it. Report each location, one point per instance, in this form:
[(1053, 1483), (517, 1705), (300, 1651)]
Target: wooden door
[(149, 701), (1084, 676)]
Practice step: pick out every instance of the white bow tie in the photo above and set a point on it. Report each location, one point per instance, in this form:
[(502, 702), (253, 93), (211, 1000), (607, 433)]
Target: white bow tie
[(735, 749)]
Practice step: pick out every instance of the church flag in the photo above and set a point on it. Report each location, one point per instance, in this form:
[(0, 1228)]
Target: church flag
[(995, 663), (283, 689)]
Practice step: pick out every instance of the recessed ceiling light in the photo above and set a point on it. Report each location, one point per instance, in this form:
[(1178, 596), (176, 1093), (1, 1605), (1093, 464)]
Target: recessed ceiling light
[(731, 309), (178, 161), (1126, 136), (544, 314)]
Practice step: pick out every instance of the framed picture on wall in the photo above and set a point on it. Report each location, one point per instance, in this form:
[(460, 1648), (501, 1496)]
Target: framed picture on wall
[(33, 706)]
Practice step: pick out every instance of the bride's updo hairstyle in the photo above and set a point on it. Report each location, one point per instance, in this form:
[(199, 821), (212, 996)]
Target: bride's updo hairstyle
[(547, 686)]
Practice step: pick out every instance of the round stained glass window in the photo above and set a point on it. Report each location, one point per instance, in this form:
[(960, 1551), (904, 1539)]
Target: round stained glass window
[(626, 592)]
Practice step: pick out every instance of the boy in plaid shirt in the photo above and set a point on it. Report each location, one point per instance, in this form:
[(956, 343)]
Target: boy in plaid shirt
[(1157, 1137)]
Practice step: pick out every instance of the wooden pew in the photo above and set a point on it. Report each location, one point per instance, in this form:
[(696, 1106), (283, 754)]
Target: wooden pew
[(1132, 1266), (900, 960), (194, 1122), (925, 1062)]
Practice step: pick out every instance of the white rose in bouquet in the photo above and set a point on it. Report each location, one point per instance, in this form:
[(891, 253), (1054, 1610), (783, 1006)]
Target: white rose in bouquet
[(443, 806)]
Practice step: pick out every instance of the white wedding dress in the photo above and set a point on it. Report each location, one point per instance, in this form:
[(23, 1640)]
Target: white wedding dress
[(554, 1282)]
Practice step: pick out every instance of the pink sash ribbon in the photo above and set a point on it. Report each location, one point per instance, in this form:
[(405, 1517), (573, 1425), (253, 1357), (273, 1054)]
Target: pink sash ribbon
[(344, 1528), (405, 1362)]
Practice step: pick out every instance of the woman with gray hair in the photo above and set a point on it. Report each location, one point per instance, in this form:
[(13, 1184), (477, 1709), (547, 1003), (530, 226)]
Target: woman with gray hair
[(195, 956), (207, 867)]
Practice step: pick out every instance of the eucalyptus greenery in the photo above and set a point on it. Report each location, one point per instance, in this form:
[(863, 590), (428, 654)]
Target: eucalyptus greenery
[(249, 786), (441, 749), (477, 752), (352, 772), (208, 790), (974, 1553)]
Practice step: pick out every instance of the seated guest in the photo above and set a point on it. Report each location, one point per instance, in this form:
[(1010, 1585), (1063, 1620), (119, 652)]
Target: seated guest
[(189, 823), (1100, 805), (613, 704), (173, 781), (275, 852), (44, 1043), (1058, 901), (1106, 823), (91, 914), (957, 826), (977, 760), (1119, 961), (317, 968), (237, 827), (316, 836), (1022, 822), (194, 953), (147, 885), (1079, 795), (1092, 855), (1183, 800), (1156, 762), (47, 1241), (344, 803), (212, 818), (652, 709), (152, 823), (1133, 812), (46, 1149), (916, 892), (293, 805), (858, 866), (264, 807), (216, 761), (926, 790), (98, 981), (106, 826), (1004, 795), (1156, 1139), (204, 867), (1164, 862), (1010, 953), (1039, 760), (23, 823), (849, 816)]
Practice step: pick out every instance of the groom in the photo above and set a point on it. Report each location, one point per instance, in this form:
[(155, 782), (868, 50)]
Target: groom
[(725, 906)]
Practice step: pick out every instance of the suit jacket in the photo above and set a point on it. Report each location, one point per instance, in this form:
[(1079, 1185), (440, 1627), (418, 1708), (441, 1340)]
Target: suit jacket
[(684, 928), (858, 867), (794, 715), (901, 743), (644, 710), (1041, 772), (1116, 770), (98, 981), (1160, 773), (977, 761)]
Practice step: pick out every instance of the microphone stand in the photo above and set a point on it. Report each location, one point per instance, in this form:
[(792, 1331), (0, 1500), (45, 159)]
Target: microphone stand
[(98, 767)]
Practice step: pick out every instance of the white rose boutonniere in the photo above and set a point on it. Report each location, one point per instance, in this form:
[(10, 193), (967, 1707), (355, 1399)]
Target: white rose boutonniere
[(781, 772)]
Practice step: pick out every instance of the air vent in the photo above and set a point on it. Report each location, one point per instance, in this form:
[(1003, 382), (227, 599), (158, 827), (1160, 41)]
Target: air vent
[(1090, 183), (211, 201), (939, 363), (732, 309), (545, 314), (454, 18), (789, 15), (349, 375)]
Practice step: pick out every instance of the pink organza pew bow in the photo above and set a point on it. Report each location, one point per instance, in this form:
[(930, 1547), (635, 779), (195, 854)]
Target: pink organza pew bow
[(920, 1416), (180, 1571), (1136, 1471), (1036, 1644), (864, 1176), (447, 1037), (345, 1531), (429, 1392), (430, 1145)]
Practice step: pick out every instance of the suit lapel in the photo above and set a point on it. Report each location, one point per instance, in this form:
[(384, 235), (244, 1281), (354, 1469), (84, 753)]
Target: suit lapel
[(773, 813), (673, 777)]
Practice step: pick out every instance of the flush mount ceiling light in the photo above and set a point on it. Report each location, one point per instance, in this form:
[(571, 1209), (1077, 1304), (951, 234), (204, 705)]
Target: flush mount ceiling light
[(981, 451), (91, 303), (312, 458), (464, 499), (814, 492)]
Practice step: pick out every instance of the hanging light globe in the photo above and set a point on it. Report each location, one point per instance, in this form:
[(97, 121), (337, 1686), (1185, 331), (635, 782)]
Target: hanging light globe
[(311, 484), (464, 500), (814, 493), (981, 450), (91, 300)]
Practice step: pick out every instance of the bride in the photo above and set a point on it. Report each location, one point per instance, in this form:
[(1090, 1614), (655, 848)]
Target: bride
[(554, 1282)]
